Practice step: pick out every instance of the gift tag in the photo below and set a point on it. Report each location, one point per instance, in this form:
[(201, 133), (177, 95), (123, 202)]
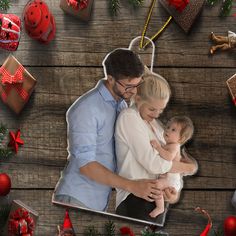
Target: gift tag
[(187, 16)]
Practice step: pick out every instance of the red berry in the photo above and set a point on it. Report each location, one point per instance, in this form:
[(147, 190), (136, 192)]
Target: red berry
[(5, 184), (230, 226)]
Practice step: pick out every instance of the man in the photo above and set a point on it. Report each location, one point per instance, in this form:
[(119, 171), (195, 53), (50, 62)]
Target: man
[(90, 173)]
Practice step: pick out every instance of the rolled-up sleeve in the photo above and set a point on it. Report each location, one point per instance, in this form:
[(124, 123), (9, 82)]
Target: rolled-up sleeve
[(82, 135), (134, 133)]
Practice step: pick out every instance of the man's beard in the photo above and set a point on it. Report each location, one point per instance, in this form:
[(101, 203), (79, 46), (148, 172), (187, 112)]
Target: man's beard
[(126, 95)]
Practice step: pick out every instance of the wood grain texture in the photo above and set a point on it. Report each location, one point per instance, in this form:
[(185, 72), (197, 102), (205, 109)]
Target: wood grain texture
[(181, 218), (71, 65), (86, 44)]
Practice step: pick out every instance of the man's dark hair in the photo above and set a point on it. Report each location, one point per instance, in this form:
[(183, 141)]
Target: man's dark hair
[(123, 62)]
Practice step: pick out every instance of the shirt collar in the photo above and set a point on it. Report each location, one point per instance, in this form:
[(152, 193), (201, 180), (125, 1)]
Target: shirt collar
[(105, 93)]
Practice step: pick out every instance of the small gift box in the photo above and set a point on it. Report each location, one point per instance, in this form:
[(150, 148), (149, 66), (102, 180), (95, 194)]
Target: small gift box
[(21, 221), (231, 83), (184, 12), (16, 84), (78, 8), (10, 29)]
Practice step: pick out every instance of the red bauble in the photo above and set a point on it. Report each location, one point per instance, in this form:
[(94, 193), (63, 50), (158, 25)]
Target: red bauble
[(230, 226), (5, 184)]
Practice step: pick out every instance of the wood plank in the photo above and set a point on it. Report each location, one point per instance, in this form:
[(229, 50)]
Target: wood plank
[(81, 44), (181, 218)]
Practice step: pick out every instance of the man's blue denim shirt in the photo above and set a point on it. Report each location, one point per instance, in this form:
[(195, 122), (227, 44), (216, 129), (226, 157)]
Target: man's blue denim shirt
[(91, 123)]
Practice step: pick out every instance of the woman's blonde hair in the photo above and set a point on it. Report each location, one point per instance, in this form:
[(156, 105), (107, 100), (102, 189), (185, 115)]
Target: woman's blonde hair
[(154, 87)]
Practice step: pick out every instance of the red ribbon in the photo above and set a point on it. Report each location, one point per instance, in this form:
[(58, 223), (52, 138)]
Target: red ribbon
[(78, 4), (13, 81), (20, 223), (179, 4)]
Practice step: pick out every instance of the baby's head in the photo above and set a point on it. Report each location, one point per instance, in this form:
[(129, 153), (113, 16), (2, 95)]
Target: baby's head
[(179, 129), (152, 96)]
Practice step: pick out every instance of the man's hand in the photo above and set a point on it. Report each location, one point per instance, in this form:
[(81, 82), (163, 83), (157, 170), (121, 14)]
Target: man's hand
[(171, 195), (146, 189)]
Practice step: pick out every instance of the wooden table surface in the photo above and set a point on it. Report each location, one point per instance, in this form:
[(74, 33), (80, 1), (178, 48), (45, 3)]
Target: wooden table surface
[(71, 65)]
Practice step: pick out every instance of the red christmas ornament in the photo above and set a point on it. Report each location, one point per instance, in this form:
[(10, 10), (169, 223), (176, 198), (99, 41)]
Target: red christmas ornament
[(230, 226), (179, 4), (5, 184), (15, 140), (10, 28), (39, 22), (126, 231)]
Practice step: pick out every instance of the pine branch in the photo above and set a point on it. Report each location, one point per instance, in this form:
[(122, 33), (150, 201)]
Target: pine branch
[(5, 153), (226, 7), (3, 129), (212, 2), (114, 6), (91, 231), (4, 5), (4, 212), (136, 3), (110, 228)]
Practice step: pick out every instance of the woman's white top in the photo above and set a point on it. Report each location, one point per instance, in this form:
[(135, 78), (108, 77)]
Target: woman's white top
[(136, 158)]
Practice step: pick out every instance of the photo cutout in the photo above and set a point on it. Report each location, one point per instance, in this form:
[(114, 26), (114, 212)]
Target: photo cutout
[(93, 129)]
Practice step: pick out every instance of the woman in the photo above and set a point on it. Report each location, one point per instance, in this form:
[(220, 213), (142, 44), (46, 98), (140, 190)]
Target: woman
[(136, 158)]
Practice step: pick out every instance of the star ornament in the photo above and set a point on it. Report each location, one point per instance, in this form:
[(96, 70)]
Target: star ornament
[(15, 140)]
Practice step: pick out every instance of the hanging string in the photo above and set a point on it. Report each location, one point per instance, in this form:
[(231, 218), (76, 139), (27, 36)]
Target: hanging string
[(146, 26)]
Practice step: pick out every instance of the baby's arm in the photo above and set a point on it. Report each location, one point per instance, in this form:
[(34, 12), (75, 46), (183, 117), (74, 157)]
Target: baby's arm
[(167, 152)]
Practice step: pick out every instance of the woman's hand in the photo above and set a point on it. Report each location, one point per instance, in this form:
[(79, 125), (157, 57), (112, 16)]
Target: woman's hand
[(155, 144), (171, 195)]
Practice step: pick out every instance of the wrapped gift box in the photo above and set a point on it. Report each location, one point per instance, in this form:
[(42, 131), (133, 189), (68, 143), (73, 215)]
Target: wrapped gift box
[(16, 84), (187, 16), (231, 83), (21, 221), (82, 12)]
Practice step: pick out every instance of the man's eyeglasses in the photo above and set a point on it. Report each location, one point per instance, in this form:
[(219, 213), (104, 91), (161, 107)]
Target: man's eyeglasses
[(129, 87)]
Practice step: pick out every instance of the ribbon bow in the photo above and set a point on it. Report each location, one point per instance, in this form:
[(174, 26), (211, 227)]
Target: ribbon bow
[(21, 223), (13, 81), (78, 4)]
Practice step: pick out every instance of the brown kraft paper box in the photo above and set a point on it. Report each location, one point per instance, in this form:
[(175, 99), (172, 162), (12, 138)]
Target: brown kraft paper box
[(186, 18), (231, 83), (13, 98)]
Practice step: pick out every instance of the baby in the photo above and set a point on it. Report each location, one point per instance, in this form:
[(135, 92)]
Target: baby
[(178, 131)]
